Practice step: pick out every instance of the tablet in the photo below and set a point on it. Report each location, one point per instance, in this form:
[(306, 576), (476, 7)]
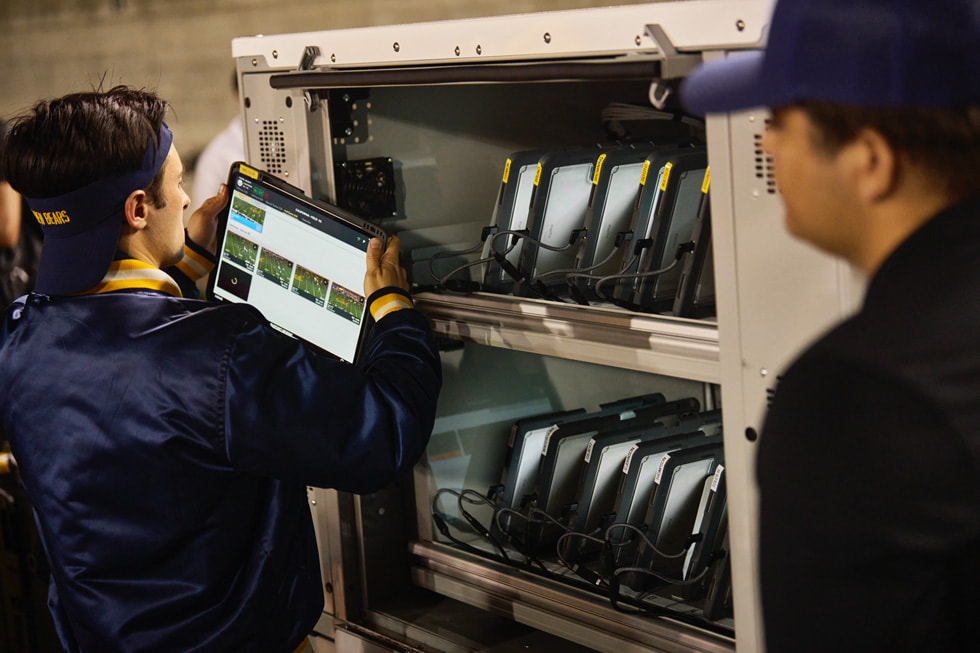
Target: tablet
[(559, 199), (696, 289), (606, 455), (510, 214), (639, 472), (526, 440), (674, 225), (653, 224), (641, 226), (673, 509), (616, 187), (712, 512), (299, 261)]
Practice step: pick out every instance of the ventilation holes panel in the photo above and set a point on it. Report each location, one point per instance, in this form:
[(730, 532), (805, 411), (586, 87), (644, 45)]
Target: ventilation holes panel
[(272, 147), (763, 166)]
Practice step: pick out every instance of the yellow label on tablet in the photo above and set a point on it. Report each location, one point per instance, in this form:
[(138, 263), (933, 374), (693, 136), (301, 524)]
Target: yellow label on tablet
[(248, 172), (643, 175), (665, 177), (707, 179), (537, 175), (598, 169), (506, 170)]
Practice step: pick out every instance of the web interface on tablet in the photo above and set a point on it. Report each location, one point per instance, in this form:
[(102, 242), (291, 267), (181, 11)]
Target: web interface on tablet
[(304, 271)]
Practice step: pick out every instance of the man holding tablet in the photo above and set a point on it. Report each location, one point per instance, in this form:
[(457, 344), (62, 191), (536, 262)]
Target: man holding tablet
[(167, 443), (869, 461)]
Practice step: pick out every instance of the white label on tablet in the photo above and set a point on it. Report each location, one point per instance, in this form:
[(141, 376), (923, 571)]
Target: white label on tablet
[(629, 458), (717, 478), (547, 439), (660, 469), (588, 450)]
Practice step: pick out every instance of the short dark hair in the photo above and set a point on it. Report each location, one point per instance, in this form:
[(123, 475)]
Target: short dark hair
[(944, 141), (61, 145)]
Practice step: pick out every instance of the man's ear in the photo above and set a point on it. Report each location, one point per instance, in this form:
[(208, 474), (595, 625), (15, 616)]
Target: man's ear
[(136, 210), (876, 166)]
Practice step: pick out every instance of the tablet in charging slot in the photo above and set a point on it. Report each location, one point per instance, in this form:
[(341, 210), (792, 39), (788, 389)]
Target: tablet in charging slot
[(301, 262)]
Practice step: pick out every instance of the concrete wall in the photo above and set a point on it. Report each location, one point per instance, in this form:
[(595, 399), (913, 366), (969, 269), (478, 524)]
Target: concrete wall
[(182, 48)]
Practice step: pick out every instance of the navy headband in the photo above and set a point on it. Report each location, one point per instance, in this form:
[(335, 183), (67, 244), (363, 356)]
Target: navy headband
[(75, 212)]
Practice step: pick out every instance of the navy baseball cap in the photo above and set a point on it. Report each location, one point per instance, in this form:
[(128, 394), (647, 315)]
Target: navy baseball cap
[(81, 228), (872, 53)]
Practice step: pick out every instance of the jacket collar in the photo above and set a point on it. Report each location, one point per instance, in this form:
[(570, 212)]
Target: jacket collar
[(132, 274)]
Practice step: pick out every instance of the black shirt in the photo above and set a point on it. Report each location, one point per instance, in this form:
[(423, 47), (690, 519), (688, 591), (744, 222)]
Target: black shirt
[(869, 462)]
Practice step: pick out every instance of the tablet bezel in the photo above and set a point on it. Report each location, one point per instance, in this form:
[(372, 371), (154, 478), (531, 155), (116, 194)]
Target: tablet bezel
[(318, 208)]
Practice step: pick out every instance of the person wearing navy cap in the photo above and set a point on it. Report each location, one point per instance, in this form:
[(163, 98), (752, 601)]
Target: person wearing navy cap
[(166, 443), (869, 459)]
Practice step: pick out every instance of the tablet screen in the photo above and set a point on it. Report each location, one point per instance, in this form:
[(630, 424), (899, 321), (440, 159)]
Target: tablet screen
[(300, 263)]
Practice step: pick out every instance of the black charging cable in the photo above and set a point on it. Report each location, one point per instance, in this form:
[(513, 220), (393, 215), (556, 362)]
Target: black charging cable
[(640, 245)]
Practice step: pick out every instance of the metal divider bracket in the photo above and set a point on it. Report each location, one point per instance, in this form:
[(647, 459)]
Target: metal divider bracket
[(673, 64)]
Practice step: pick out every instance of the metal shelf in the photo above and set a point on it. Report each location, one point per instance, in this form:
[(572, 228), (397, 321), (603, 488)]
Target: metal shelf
[(550, 606), (649, 343)]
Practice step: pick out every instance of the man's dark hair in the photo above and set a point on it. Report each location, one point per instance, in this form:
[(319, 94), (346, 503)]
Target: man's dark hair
[(61, 145), (944, 141)]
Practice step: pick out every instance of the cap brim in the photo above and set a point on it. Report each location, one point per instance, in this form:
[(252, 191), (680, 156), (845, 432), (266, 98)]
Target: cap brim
[(729, 84), (77, 263)]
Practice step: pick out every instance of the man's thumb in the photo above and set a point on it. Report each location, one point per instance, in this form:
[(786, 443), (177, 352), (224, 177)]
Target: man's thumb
[(374, 254)]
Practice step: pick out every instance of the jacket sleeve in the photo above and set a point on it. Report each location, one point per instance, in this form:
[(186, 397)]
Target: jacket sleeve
[(196, 264), (295, 415)]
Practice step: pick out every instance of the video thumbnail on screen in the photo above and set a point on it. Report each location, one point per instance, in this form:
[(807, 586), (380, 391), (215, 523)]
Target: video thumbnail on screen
[(240, 251), (310, 286), (247, 214), (235, 281), (275, 268), (346, 303)]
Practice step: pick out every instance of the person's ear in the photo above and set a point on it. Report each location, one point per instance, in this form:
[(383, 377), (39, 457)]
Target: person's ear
[(874, 165), (135, 210)]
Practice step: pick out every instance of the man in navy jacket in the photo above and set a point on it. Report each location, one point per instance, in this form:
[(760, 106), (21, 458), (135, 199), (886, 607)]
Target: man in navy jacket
[(166, 443)]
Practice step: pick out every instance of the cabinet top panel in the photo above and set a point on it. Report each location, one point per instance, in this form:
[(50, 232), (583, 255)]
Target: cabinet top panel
[(690, 26)]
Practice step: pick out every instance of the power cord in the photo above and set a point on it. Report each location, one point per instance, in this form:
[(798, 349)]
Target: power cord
[(473, 522), (678, 256)]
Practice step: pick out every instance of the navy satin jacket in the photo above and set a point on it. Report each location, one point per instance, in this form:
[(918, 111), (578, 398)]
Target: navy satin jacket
[(167, 444)]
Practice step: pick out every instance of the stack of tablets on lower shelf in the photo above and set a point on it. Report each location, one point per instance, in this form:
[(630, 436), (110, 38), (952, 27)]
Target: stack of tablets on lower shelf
[(628, 499)]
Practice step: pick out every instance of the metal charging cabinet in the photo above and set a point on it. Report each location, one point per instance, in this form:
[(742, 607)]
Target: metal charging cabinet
[(411, 126)]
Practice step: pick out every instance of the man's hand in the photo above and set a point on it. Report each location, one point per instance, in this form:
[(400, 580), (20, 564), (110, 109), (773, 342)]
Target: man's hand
[(202, 228), (383, 269)]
